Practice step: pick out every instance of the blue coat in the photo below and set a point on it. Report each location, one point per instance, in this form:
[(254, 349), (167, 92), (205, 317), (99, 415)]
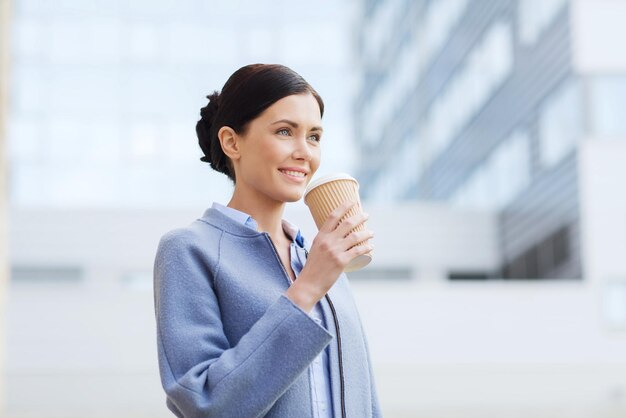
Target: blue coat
[(231, 344)]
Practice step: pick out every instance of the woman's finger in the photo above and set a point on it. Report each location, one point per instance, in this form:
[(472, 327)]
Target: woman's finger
[(350, 223), (335, 216), (358, 236), (358, 250)]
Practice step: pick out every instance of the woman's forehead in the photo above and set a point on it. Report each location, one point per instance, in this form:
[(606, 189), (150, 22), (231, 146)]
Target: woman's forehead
[(300, 108)]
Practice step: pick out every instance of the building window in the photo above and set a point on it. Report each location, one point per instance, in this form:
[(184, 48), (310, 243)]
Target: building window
[(543, 259), (405, 169), (608, 101), (535, 16), (46, 274), (614, 305), (500, 177), (485, 69), (383, 273), (399, 177), (438, 21), (379, 28), (468, 275), (560, 123), (391, 96), (511, 168)]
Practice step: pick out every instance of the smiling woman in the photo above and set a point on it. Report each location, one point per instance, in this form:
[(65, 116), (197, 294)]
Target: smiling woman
[(280, 143), (245, 308)]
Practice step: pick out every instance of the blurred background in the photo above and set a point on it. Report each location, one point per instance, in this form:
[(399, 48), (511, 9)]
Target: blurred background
[(487, 137)]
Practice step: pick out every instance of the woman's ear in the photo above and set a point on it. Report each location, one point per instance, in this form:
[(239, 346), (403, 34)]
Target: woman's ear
[(229, 140)]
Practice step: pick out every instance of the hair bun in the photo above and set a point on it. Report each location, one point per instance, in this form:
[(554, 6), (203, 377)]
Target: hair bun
[(203, 127), (209, 111)]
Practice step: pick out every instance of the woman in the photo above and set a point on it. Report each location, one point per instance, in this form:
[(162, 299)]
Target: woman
[(251, 320)]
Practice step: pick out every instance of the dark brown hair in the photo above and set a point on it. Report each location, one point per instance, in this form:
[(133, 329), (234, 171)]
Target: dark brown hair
[(247, 93)]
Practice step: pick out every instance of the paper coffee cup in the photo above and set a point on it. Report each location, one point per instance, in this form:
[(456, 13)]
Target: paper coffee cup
[(325, 194)]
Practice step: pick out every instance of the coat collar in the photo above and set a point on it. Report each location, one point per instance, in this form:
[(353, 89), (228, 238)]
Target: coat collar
[(224, 222)]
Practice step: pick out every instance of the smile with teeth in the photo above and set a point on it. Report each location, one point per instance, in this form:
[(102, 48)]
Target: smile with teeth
[(293, 173)]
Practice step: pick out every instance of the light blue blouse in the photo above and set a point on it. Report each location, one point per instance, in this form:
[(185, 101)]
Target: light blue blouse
[(319, 372)]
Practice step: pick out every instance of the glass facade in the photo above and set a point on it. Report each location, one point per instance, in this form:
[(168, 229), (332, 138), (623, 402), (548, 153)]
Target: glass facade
[(502, 176), (435, 25), (561, 123), (535, 15), (485, 98), (487, 65)]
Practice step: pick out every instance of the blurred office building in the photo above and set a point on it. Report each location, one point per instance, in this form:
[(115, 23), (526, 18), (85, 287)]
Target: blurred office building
[(502, 105), (511, 108)]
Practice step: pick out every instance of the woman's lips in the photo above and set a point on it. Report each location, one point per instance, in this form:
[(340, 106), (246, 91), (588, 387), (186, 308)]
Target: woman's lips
[(293, 178)]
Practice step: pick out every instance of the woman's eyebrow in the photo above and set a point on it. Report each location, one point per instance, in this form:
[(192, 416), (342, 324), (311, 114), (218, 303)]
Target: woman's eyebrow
[(295, 125)]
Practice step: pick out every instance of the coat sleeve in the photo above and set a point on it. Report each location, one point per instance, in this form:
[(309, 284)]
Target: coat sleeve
[(202, 375)]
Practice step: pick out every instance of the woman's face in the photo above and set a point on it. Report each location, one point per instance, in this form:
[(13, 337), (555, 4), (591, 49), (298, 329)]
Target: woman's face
[(285, 137)]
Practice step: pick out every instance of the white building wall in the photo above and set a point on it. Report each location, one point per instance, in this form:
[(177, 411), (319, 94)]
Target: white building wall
[(597, 33), (603, 225), (76, 344), (439, 348)]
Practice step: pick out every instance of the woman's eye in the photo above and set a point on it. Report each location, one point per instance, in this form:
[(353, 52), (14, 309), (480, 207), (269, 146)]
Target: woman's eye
[(315, 137), (283, 131)]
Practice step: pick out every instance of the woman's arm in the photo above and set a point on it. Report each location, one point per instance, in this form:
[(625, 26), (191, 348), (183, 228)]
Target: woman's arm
[(201, 374)]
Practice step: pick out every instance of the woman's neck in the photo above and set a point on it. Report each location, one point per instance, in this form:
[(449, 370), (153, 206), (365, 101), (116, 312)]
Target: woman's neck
[(268, 214)]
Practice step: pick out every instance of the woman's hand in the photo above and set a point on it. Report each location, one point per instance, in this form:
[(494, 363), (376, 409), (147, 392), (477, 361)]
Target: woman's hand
[(330, 253)]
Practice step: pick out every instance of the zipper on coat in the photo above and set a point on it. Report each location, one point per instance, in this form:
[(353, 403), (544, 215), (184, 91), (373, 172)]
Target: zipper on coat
[(341, 380), (267, 235)]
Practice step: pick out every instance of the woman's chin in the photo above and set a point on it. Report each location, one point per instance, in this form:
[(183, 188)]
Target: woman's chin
[(292, 196)]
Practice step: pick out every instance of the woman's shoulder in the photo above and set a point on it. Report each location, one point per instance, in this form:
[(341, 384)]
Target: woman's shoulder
[(189, 247), (195, 234)]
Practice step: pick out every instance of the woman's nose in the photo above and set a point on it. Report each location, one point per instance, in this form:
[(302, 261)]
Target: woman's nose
[(303, 150)]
